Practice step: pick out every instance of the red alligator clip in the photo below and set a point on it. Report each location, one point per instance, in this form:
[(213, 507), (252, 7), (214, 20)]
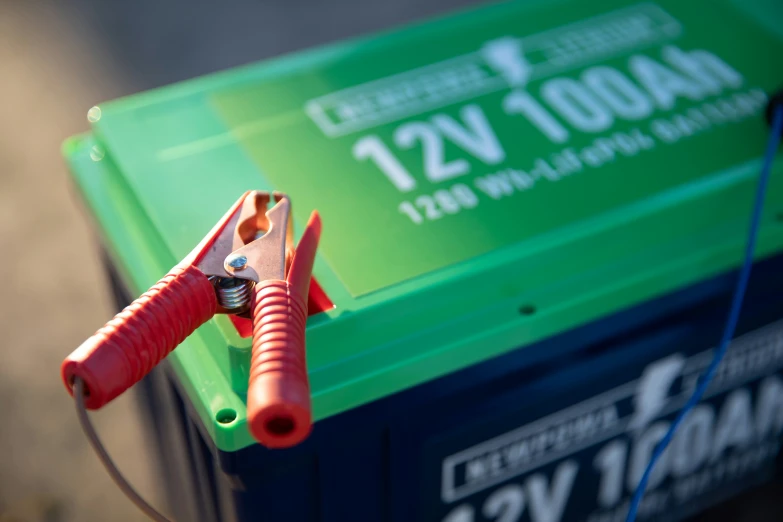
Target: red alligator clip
[(247, 266)]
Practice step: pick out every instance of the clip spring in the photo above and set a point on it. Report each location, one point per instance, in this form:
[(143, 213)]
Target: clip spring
[(233, 294)]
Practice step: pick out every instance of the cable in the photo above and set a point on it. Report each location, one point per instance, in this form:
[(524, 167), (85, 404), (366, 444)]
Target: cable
[(733, 317), (95, 442)]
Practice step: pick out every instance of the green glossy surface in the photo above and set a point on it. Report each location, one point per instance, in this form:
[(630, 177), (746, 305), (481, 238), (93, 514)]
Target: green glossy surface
[(572, 218)]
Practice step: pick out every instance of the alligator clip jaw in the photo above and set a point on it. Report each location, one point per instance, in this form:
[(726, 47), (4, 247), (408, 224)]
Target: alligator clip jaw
[(253, 242)]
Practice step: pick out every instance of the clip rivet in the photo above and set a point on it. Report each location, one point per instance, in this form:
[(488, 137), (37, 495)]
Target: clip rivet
[(236, 261)]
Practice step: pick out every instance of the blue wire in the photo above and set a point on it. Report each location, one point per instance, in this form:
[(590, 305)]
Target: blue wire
[(731, 322)]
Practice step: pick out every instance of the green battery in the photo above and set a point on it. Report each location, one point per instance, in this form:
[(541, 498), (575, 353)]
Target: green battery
[(487, 180)]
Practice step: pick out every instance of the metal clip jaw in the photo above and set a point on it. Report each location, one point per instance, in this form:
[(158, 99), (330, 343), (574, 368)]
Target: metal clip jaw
[(256, 244), (246, 265)]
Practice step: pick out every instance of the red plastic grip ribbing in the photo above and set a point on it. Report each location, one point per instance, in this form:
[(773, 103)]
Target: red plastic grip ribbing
[(278, 396), (122, 352)]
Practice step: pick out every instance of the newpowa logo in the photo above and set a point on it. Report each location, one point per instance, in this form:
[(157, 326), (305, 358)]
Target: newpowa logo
[(505, 62)]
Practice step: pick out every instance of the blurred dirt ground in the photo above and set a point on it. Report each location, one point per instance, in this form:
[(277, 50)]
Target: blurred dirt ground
[(50, 74)]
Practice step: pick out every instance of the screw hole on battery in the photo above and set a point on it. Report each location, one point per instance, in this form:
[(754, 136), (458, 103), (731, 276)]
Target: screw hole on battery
[(226, 416), (527, 310)]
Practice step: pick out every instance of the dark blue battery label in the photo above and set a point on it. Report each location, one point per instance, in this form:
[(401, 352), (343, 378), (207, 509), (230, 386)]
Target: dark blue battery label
[(582, 463)]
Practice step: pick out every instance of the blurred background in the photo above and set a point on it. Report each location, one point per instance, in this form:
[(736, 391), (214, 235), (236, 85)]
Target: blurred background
[(57, 59)]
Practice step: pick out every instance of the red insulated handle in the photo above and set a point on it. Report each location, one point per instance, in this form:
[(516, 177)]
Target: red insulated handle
[(278, 395), (122, 352)]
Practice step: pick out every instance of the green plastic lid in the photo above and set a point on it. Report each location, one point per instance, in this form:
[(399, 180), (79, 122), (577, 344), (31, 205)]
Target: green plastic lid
[(485, 180)]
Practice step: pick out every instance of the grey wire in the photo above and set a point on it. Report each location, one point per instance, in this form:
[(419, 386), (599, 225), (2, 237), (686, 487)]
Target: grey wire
[(95, 442)]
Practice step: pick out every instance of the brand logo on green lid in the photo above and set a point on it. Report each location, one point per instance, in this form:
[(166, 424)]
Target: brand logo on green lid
[(498, 64)]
